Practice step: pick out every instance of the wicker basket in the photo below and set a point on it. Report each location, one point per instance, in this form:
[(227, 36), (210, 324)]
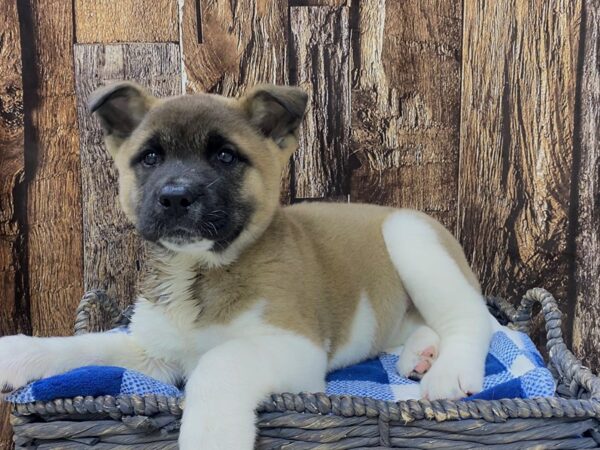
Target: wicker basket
[(310, 421)]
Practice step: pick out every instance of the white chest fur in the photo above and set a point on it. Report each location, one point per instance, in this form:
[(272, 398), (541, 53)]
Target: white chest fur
[(170, 331)]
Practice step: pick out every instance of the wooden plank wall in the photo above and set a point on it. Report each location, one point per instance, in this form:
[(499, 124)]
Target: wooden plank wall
[(14, 314), (52, 169), (586, 174), (109, 21), (406, 104), (517, 126), (484, 114), (321, 66)]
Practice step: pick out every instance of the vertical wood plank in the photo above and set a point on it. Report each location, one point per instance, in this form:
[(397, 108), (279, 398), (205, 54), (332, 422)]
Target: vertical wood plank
[(586, 330), (406, 104), (107, 21), (518, 104), (12, 167), (14, 316), (320, 56), (243, 44), (113, 253), (52, 152)]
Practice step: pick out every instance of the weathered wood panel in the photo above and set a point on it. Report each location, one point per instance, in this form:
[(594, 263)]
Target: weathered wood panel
[(319, 2), (243, 43), (586, 326), (113, 254), (52, 163), (518, 104), (406, 104), (14, 316), (320, 60), (12, 168), (107, 21)]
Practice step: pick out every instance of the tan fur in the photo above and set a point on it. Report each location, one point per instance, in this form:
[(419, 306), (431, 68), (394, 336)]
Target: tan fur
[(311, 265), (310, 262)]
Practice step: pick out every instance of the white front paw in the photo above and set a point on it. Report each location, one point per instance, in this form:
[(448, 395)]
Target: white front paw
[(452, 377), (21, 361)]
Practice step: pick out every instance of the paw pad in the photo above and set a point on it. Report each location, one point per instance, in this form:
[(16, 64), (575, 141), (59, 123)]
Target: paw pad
[(426, 358)]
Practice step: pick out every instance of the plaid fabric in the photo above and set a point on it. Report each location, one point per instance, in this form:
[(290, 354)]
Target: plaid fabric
[(93, 381), (514, 369)]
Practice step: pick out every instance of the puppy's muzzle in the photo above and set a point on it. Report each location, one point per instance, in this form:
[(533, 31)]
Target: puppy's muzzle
[(175, 200)]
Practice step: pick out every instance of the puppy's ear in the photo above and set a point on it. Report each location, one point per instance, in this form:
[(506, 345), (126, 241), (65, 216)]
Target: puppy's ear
[(121, 107), (275, 110)]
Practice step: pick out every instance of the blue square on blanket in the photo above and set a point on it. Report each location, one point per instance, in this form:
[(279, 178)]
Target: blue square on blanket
[(493, 366), (106, 381), (371, 370), (93, 381), (508, 389)]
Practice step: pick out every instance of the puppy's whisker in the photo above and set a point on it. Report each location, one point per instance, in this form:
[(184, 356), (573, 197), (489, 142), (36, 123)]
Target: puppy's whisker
[(213, 182), (214, 227), (217, 216), (217, 213)]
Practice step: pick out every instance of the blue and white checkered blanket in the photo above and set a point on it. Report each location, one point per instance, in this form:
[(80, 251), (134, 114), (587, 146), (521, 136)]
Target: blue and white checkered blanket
[(514, 369)]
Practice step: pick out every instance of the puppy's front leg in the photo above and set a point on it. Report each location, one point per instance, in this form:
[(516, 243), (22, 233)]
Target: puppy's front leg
[(26, 358), (231, 379)]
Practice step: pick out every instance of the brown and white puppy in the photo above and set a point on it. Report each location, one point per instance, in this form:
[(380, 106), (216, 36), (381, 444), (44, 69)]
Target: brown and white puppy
[(244, 297)]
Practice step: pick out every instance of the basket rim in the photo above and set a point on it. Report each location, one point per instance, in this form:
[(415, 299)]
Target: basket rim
[(565, 365), (323, 404)]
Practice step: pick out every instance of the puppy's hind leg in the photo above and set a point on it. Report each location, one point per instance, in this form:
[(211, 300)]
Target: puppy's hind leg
[(442, 288)]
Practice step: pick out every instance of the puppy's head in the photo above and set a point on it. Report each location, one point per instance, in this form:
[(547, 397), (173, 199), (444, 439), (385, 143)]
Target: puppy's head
[(200, 173)]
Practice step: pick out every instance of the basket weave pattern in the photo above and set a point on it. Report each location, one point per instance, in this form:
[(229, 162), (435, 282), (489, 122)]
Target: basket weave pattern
[(317, 421)]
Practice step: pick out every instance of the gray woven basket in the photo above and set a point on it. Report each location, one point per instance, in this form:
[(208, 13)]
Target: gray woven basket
[(318, 421)]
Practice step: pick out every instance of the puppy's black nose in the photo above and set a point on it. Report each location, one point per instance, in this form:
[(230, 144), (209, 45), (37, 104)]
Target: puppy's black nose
[(175, 199)]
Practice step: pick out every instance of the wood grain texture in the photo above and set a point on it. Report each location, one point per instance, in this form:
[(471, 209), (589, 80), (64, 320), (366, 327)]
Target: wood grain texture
[(12, 168), (110, 21), (243, 43), (14, 316), (586, 328), (406, 104), (518, 104), (293, 3), (320, 56), (52, 149), (113, 253)]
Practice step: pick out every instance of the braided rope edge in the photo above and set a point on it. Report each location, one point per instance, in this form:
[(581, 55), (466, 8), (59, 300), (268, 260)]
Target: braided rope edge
[(320, 403)]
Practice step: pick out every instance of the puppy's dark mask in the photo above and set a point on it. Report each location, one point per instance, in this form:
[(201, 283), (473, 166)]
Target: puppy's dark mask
[(190, 167)]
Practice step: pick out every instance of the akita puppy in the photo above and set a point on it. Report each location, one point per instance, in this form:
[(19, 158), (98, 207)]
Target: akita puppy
[(244, 297)]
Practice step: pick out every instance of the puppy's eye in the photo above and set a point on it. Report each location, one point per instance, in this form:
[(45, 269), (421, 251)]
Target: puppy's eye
[(151, 159), (226, 155)]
